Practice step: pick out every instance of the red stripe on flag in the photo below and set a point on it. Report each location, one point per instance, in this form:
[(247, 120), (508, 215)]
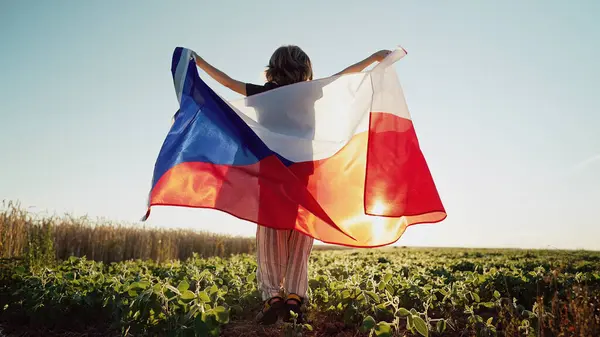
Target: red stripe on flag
[(398, 180)]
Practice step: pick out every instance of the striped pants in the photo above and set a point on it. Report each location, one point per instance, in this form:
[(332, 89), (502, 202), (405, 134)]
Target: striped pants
[(282, 258)]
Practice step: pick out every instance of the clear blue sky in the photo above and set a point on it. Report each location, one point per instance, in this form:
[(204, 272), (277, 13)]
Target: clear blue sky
[(503, 94)]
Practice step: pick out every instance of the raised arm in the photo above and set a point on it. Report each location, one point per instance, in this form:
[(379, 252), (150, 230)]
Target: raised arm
[(219, 76), (359, 66)]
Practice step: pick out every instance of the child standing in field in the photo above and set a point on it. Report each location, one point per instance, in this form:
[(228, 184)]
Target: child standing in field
[(282, 255)]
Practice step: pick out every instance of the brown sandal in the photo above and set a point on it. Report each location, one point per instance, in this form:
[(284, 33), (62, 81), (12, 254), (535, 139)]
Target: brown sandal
[(270, 311), (293, 303)]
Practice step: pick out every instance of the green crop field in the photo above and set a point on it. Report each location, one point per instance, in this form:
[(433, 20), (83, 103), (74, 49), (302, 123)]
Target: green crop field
[(435, 292), (369, 292)]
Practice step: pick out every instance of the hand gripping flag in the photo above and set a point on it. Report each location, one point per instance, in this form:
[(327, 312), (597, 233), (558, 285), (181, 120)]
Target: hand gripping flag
[(336, 158)]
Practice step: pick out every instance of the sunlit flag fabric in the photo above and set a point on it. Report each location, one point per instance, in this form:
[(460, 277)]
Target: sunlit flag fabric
[(336, 158)]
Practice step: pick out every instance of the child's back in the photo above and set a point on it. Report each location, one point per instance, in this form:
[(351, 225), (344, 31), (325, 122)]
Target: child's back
[(282, 255)]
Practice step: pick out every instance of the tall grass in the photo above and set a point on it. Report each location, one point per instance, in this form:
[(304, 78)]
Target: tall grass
[(46, 238)]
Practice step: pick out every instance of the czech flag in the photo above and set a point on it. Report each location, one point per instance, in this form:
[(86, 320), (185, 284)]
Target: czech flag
[(336, 158)]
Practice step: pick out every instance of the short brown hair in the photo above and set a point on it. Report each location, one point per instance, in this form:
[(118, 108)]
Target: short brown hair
[(288, 65)]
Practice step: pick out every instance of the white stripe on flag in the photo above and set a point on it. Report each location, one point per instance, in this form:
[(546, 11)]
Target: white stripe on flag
[(313, 120), (182, 67)]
